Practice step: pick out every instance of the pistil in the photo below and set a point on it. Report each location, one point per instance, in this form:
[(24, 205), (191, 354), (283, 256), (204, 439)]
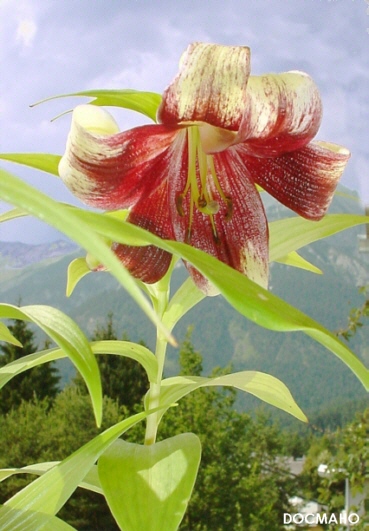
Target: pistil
[(200, 169)]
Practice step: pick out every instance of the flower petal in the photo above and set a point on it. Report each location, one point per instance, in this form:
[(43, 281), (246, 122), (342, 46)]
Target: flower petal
[(282, 113), (150, 263), (238, 237), (108, 169), (210, 86), (304, 180)]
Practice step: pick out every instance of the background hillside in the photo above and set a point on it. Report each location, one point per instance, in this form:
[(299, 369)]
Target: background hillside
[(37, 275)]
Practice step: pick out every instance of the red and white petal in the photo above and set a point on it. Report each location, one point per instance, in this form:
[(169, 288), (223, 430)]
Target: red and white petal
[(210, 86), (304, 180), (150, 263), (108, 169), (237, 234), (282, 113)]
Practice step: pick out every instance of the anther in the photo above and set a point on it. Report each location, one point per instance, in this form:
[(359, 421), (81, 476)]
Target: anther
[(179, 204), (188, 235), (229, 212), (215, 235)]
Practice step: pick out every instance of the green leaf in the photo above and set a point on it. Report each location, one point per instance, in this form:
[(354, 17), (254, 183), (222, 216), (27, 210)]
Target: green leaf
[(12, 214), (65, 332), (295, 260), (6, 336), (43, 498), (90, 481), (133, 351), (40, 161), (249, 299), (77, 269), (146, 103), (263, 386), (185, 298), (148, 487), (290, 234), (19, 193)]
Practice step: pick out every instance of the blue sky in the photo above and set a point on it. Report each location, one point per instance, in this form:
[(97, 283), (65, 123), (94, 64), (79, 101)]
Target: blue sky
[(61, 46)]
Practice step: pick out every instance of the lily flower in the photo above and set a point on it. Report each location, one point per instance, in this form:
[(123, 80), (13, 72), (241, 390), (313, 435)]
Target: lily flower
[(193, 176)]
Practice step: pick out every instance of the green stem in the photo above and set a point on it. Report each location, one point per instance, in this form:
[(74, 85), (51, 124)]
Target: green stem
[(152, 421)]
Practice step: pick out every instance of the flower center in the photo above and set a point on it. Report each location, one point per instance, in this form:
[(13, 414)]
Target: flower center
[(202, 179)]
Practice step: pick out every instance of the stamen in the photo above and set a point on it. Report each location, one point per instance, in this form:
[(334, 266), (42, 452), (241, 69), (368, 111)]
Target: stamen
[(229, 212), (201, 197), (179, 203), (214, 231)]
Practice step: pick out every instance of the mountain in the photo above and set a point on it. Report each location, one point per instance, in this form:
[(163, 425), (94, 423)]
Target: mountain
[(316, 378), (17, 255)]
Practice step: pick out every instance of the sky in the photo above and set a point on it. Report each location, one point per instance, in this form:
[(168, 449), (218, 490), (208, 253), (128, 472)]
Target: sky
[(61, 46)]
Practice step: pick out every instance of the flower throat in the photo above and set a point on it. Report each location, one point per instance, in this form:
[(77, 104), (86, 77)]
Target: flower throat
[(200, 169)]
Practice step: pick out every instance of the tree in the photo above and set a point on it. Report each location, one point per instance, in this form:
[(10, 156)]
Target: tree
[(122, 379), (41, 381), (36, 433), (346, 454)]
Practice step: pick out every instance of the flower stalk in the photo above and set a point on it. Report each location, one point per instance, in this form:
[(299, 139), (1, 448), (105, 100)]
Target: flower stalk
[(160, 298)]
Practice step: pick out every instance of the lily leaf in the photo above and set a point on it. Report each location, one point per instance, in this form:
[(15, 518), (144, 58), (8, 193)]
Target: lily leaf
[(290, 234), (295, 260), (185, 298), (90, 481), (149, 486), (254, 302), (77, 269), (263, 386), (146, 103), (65, 332), (12, 214), (43, 498), (127, 349), (7, 336), (40, 161)]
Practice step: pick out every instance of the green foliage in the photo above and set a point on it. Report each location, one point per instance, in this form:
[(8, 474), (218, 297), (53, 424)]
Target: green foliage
[(39, 382), (249, 299), (346, 454), (35, 433), (239, 481), (355, 318), (241, 484), (123, 379)]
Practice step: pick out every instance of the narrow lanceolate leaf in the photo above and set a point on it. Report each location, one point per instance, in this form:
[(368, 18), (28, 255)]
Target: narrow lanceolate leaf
[(148, 487), (90, 481), (12, 214), (251, 300), (7, 336), (40, 161), (18, 193), (185, 298), (290, 234), (77, 269), (263, 386), (145, 103), (295, 260), (30, 508), (65, 332), (126, 349)]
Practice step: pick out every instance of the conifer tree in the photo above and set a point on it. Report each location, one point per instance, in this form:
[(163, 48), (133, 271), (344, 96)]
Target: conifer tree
[(42, 381)]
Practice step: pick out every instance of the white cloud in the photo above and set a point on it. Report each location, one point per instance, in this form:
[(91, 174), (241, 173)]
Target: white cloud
[(26, 32)]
